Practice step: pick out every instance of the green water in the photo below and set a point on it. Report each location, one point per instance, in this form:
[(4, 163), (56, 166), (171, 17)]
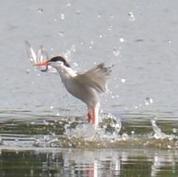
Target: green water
[(87, 163)]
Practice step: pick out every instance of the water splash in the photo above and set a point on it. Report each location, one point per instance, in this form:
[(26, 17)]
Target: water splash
[(46, 141), (79, 130), (110, 127), (148, 101), (77, 133), (158, 134)]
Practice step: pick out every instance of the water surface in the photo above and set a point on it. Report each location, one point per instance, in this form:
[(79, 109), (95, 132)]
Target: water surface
[(95, 163)]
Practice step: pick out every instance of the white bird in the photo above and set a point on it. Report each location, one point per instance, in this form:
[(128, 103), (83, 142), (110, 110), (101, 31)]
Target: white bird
[(85, 86)]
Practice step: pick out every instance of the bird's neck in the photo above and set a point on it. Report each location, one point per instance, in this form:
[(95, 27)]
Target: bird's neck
[(66, 72)]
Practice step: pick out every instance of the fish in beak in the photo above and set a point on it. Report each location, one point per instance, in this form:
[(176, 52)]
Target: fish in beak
[(39, 58), (43, 65)]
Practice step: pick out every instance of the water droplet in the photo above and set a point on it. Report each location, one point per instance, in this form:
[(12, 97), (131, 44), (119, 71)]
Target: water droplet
[(77, 12), (131, 16), (121, 40), (68, 4), (55, 19), (45, 122), (32, 123), (174, 130), (62, 16), (125, 136), (32, 60), (135, 107), (81, 43), (91, 42), (112, 17), (100, 36), (27, 71), (132, 132), (169, 42), (140, 105), (73, 48), (169, 146), (116, 52), (40, 10), (39, 74), (51, 107), (110, 28), (112, 96), (148, 101), (99, 16), (123, 80), (75, 64), (61, 34), (117, 96)]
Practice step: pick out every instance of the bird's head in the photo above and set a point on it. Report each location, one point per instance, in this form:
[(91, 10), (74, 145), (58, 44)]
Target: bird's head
[(55, 62), (58, 61)]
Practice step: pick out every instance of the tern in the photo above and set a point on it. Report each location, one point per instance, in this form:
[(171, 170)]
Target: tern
[(85, 86)]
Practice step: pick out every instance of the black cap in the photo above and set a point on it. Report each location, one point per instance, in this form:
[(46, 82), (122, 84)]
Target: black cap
[(59, 58)]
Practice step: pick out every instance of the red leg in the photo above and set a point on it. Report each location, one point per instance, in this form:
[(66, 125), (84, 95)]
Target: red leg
[(93, 116), (89, 117)]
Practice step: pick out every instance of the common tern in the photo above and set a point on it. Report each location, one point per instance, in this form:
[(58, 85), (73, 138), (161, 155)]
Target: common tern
[(85, 86)]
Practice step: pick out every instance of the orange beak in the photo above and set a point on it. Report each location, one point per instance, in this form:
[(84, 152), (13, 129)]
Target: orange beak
[(44, 63)]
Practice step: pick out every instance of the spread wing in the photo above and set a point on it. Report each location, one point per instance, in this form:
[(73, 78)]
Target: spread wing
[(95, 78)]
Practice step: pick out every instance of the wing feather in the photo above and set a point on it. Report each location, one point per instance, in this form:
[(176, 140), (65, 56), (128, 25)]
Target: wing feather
[(95, 78)]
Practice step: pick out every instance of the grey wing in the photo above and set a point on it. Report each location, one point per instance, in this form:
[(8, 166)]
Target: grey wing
[(95, 78)]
